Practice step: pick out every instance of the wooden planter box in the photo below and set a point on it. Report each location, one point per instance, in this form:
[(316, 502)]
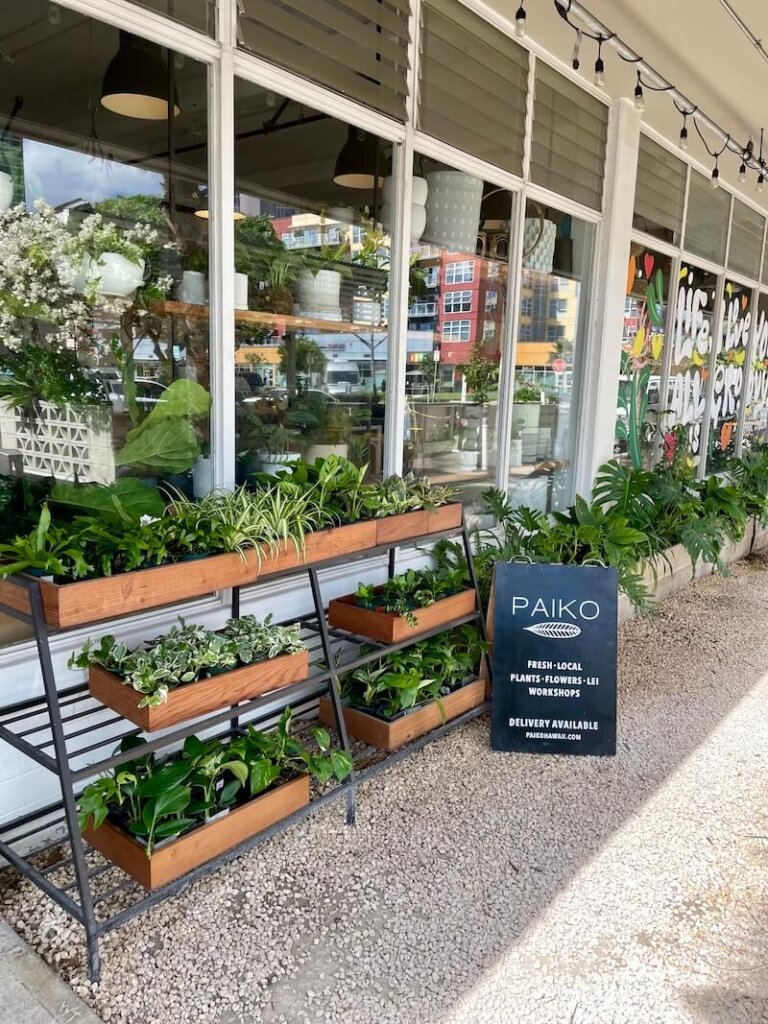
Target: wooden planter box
[(416, 524), (84, 601), (179, 856), (194, 699), (377, 732), (325, 544), (345, 613)]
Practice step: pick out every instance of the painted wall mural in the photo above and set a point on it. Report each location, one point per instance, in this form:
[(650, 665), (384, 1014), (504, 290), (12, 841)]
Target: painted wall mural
[(691, 347), (729, 373), (756, 412), (642, 354)]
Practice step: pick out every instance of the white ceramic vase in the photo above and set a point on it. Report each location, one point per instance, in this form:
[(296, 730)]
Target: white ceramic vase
[(322, 451), (539, 244), (6, 190), (112, 273), (241, 291), (273, 464), (192, 288), (418, 207), (453, 210), (202, 477)]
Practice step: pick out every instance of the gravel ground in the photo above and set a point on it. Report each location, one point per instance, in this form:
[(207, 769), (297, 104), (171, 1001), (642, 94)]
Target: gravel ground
[(503, 889)]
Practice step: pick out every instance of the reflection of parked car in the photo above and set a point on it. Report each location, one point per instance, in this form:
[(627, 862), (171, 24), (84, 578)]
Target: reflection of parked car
[(281, 395), (417, 382), (149, 391)]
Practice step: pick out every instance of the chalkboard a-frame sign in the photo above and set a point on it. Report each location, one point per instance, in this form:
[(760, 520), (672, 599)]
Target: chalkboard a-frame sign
[(554, 659)]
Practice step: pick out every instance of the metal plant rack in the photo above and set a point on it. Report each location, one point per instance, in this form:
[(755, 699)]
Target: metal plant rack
[(74, 736)]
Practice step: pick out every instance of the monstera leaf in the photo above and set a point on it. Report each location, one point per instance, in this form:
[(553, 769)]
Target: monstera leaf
[(184, 398), (125, 499), (168, 445)]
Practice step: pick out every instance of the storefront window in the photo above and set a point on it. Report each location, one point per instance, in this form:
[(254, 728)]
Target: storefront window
[(460, 240), (557, 258), (197, 14), (100, 379), (756, 412), (642, 355), (312, 260), (689, 371), (728, 384)]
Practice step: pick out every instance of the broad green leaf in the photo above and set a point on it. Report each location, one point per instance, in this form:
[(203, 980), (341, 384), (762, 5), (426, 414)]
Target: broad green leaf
[(173, 827), (342, 764), (164, 779), (263, 774), (169, 445), (125, 499), (172, 801)]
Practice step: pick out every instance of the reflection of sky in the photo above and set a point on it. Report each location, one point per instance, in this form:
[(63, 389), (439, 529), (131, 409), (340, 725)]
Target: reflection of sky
[(60, 175)]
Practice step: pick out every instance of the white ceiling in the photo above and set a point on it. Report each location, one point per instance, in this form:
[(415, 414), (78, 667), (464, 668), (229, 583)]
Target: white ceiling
[(695, 45)]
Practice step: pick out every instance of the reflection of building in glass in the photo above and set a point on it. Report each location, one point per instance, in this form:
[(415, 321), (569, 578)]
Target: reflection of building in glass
[(549, 310)]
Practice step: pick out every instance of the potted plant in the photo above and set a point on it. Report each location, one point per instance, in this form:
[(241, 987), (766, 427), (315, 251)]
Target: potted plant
[(191, 670), (320, 282), (408, 604), (111, 261), (193, 288), (516, 443), (410, 506), (330, 432), (406, 694), (159, 818), (481, 375)]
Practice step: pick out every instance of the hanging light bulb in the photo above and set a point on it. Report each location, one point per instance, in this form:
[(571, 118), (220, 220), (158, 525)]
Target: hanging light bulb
[(760, 181), (742, 171), (600, 66), (714, 181), (639, 97), (521, 22), (54, 14), (576, 47), (683, 138)]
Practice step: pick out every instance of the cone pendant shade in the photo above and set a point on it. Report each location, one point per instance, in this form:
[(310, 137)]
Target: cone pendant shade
[(136, 81)]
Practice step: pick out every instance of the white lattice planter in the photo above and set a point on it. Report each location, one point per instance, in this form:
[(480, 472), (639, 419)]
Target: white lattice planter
[(60, 441)]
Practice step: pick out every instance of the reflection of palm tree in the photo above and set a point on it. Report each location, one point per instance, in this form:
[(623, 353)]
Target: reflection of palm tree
[(305, 355)]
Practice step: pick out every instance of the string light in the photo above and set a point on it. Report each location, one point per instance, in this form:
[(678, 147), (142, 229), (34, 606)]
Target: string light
[(742, 171), (714, 181), (639, 97), (600, 65), (761, 162), (576, 47), (521, 22)]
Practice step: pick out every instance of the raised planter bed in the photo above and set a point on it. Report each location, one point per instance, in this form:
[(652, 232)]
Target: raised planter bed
[(83, 601), (416, 524), (675, 572), (346, 613), (195, 699), (389, 735), (172, 859)]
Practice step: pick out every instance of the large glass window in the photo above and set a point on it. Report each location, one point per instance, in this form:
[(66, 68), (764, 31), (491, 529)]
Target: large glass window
[(557, 259), (103, 156), (312, 262), (642, 355), (691, 347), (460, 237), (756, 411), (198, 14), (730, 367)]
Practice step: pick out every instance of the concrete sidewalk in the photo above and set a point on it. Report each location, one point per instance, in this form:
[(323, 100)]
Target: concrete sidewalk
[(32, 993)]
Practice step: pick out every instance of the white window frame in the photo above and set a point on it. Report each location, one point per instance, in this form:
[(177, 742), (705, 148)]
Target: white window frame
[(458, 301), (460, 272), (452, 330)]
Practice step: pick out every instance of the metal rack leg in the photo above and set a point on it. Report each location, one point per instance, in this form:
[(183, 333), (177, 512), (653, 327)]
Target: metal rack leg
[(392, 566), (235, 610), (65, 780), (333, 687)]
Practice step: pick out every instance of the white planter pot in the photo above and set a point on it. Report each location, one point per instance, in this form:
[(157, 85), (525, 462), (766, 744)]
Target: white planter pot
[(322, 451), (319, 291), (241, 291), (469, 459), (6, 190), (192, 288), (112, 273), (453, 210), (274, 464), (202, 477), (516, 451)]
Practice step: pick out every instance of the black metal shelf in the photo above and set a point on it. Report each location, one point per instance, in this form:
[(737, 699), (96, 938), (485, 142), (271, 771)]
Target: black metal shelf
[(73, 735)]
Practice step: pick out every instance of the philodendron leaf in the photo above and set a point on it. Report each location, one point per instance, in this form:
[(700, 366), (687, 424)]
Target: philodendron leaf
[(169, 445), (125, 499), (164, 780), (342, 764), (263, 774), (173, 827)]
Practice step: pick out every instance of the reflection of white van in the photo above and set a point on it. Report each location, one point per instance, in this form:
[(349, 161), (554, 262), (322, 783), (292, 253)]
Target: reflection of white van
[(342, 378)]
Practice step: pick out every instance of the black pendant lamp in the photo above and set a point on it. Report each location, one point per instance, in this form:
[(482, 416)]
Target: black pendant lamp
[(136, 83), (357, 162)]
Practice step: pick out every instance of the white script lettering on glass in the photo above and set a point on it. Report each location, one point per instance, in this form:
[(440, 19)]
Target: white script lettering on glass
[(691, 347), (729, 375), (757, 391)]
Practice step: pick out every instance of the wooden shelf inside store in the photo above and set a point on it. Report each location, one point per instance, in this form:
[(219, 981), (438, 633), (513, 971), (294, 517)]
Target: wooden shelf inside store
[(284, 321)]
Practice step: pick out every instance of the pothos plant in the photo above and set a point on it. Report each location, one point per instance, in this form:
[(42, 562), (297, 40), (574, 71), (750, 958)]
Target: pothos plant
[(415, 588), (159, 798), (187, 653)]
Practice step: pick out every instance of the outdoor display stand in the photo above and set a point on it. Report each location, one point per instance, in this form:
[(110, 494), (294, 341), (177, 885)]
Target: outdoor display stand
[(72, 734)]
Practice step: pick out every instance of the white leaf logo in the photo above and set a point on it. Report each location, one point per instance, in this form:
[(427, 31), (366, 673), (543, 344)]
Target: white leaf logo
[(555, 630)]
